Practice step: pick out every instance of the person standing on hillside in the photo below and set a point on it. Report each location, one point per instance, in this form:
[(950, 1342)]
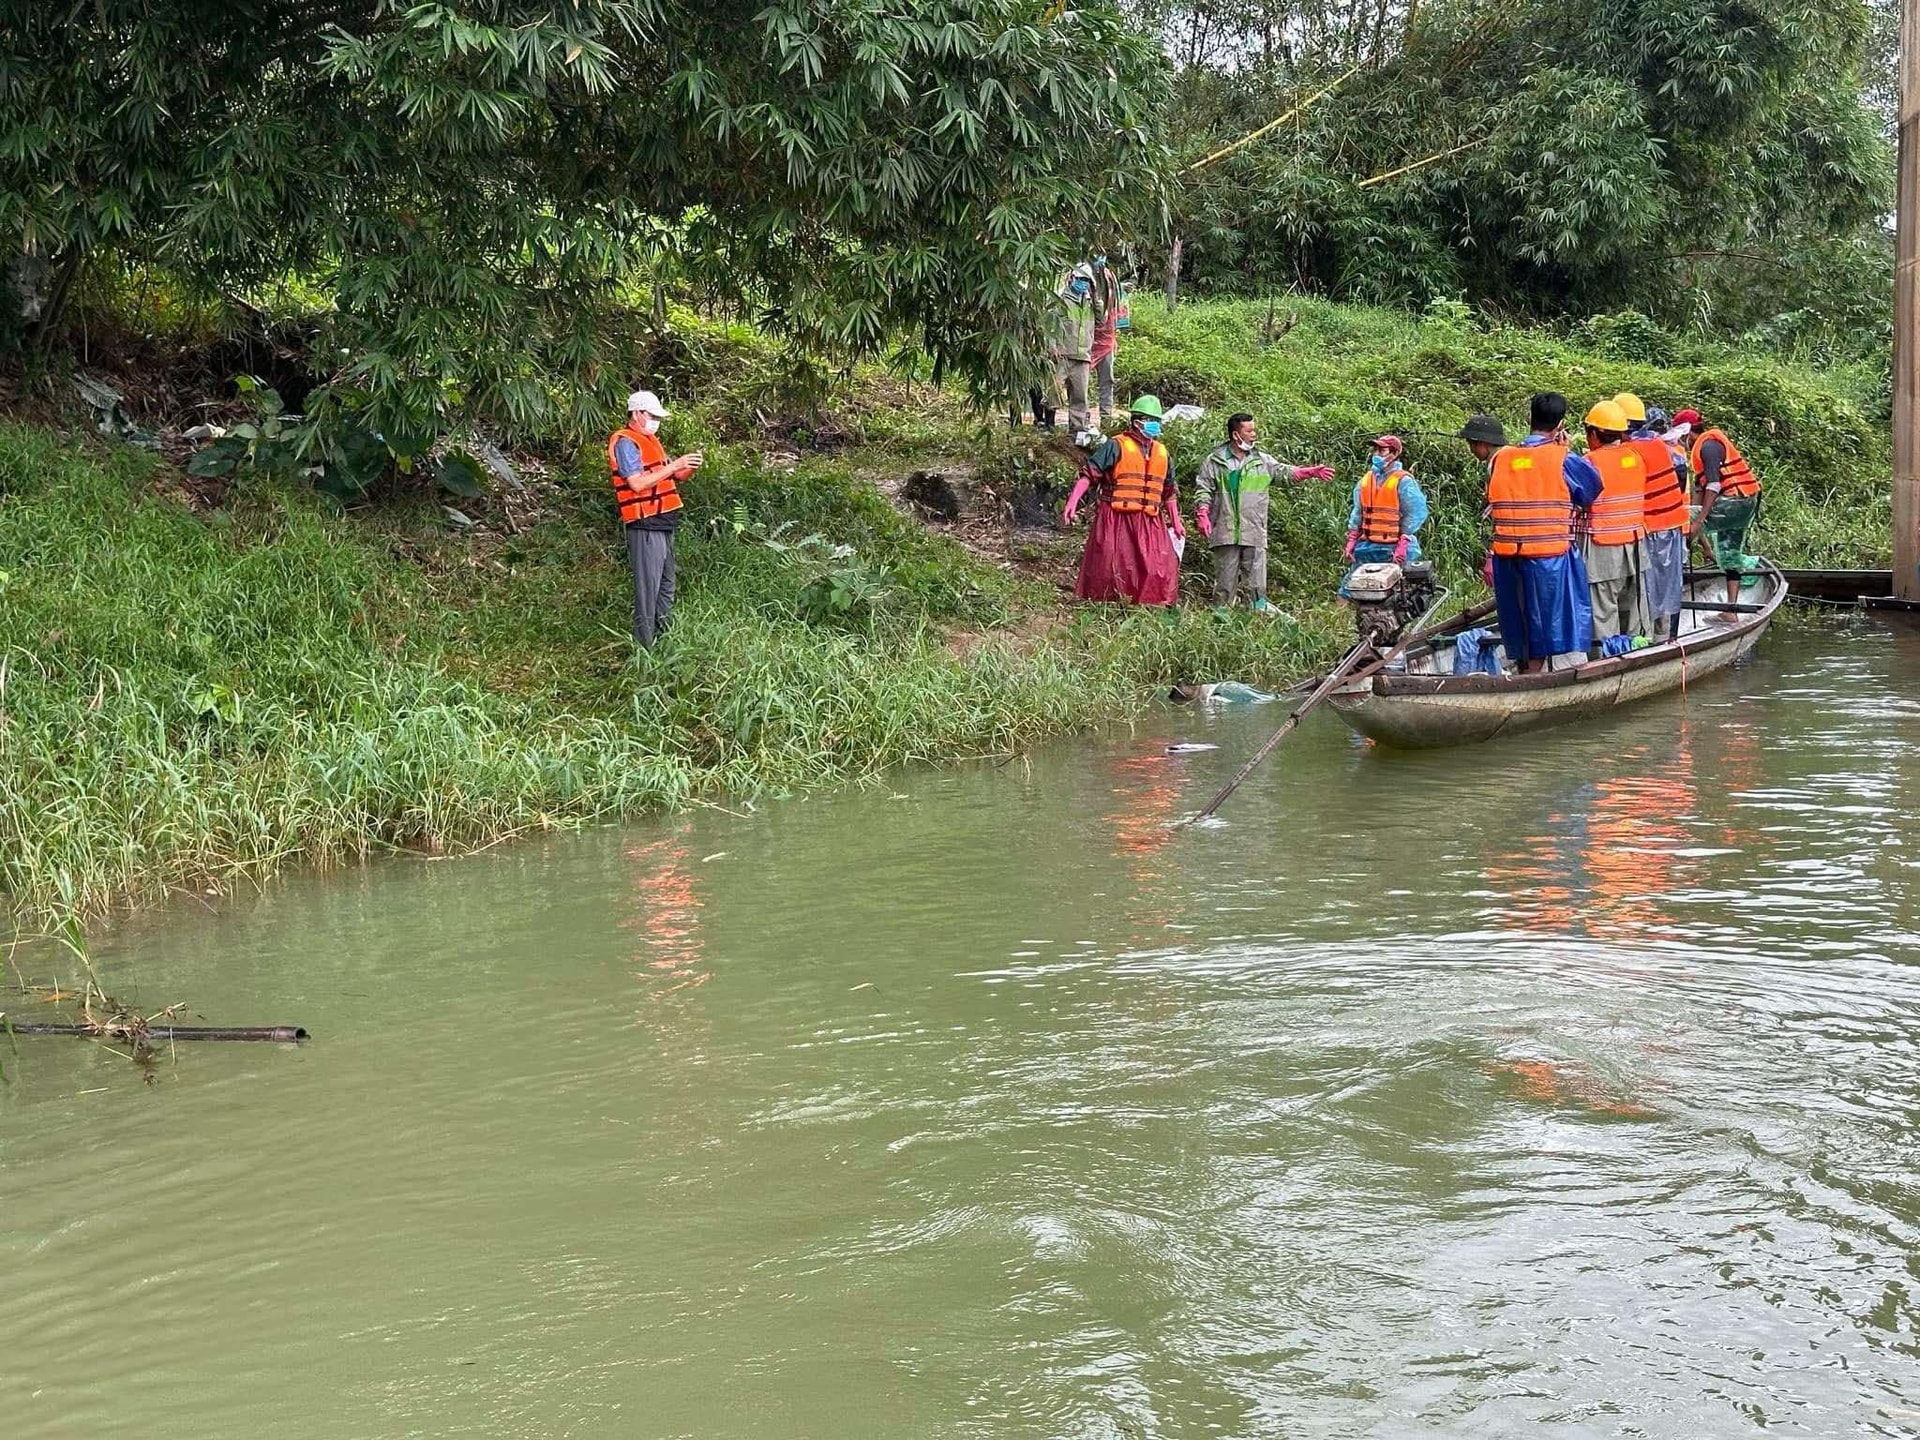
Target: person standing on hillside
[(1129, 554), (644, 483), (1070, 343), (1107, 300), (1232, 488), (1388, 509), (1729, 500), (1539, 582)]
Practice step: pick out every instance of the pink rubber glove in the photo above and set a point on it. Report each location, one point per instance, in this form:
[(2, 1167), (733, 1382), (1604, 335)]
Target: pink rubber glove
[(1487, 573), (1400, 551), (1313, 472), (1201, 519), (1073, 499), (1353, 539), (1173, 521)]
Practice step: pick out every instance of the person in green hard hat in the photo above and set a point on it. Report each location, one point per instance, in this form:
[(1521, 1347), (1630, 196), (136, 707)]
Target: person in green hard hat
[(1129, 555)]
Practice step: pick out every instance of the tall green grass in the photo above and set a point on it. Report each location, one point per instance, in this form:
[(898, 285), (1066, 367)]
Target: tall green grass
[(186, 697)]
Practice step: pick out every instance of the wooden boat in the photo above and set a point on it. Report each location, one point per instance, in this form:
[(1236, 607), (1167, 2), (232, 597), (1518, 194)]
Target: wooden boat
[(1425, 704)]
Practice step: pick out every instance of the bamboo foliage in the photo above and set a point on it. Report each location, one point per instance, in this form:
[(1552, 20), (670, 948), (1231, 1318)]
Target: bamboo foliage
[(1547, 158), (471, 185)]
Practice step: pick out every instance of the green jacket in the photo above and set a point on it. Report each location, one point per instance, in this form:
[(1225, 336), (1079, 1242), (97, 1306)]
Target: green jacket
[(1070, 328), (1233, 491)]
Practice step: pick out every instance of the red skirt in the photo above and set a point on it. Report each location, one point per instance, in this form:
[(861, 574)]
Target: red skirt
[(1129, 557)]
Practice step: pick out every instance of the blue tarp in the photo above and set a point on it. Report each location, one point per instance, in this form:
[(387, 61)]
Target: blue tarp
[(1473, 656), (1544, 610)]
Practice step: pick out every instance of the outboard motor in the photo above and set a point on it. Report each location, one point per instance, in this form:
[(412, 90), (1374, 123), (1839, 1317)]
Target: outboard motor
[(1387, 598)]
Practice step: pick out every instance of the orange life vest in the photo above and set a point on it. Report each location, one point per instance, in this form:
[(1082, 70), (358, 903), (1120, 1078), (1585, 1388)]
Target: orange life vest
[(643, 499), (1380, 508), (1618, 516), (1666, 501), (1736, 476), (1532, 508), (1139, 477)]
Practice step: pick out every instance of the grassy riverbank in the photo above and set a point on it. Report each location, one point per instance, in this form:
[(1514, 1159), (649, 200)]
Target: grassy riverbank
[(200, 689), (201, 697)]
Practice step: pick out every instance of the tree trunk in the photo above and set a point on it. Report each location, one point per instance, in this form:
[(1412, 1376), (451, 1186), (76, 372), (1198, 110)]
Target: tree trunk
[(68, 267), (1173, 261)]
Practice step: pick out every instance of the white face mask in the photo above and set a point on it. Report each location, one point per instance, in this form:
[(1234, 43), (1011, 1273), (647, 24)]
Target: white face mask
[(646, 424), (1243, 445)]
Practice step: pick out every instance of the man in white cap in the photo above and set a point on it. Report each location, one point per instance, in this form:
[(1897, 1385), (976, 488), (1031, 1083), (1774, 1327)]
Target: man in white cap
[(644, 484)]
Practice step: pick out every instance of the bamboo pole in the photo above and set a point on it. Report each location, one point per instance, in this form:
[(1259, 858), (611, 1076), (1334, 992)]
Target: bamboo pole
[(1271, 125), (285, 1034), (1906, 319), (1363, 660), (1387, 175)]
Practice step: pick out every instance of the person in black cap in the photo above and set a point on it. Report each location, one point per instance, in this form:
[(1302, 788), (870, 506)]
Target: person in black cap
[(1484, 435)]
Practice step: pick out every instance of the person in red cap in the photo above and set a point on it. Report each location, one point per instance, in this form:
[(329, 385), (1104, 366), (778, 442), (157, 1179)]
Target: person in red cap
[(1388, 509)]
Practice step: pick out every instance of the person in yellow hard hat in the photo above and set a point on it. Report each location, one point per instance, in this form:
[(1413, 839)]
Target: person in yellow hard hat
[(1665, 517), (1615, 528)]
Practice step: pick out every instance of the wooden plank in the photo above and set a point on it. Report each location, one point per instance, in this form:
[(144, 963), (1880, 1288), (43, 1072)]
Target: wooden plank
[(1838, 584), (1906, 319)]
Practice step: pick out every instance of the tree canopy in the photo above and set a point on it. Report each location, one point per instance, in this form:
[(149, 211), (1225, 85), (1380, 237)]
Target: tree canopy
[(465, 192), (468, 186), (1576, 155)]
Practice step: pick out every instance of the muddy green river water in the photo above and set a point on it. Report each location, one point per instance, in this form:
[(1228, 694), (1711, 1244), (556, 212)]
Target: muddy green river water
[(1564, 1086)]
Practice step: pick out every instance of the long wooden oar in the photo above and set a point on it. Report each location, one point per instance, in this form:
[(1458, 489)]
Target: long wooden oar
[(1356, 666)]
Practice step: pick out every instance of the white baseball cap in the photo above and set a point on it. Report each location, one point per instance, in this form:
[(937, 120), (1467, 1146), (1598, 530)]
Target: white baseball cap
[(647, 403)]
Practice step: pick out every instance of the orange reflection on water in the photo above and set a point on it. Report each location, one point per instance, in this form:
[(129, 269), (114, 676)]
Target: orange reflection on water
[(666, 912), (1146, 795), (1553, 1082), (1539, 882), (1608, 868)]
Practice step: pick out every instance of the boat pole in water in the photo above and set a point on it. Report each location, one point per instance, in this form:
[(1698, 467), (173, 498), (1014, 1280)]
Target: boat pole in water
[(1906, 318), (1355, 658), (1360, 661)]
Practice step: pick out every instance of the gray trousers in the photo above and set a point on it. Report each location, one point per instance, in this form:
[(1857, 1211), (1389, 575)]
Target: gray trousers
[(1070, 376), (651, 554), (1103, 374), (1616, 579), (1231, 563)]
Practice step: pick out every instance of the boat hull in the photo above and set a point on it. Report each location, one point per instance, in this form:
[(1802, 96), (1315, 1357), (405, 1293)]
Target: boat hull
[(1423, 711)]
